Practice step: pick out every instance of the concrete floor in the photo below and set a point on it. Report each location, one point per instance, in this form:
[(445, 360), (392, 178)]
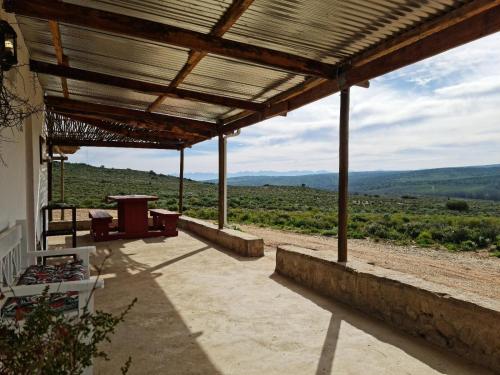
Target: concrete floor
[(202, 310)]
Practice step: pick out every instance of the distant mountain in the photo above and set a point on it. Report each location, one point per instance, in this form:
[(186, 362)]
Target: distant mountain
[(479, 182), (200, 176)]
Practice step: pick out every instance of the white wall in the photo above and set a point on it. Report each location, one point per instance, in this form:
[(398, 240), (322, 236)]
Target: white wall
[(23, 181)]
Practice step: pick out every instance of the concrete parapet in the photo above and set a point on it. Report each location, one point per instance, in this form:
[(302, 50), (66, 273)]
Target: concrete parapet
[(243, 244)]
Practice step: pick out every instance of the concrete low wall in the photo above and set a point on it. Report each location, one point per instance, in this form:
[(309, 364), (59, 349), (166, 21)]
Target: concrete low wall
[(464, 323), (241, 243)]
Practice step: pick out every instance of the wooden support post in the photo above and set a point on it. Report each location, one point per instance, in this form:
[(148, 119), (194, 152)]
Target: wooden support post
[(225, 181), (343, 174), (62, 187), (222, 181), (49, 179), (181, 182)]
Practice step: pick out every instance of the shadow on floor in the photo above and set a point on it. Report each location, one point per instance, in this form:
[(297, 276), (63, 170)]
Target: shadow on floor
[(415, 347), (222, 250), (154, 333)]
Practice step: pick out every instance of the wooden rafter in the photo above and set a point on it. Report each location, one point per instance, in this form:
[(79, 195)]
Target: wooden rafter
[(232, 14), (62, 59), (473, 21), (133, 132), (145, 87), (132, 129), (140, 119), (158, 32)]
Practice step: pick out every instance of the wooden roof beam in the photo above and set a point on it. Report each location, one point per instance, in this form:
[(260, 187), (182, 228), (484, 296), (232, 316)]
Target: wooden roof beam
[(237, 8), (145, 87), (60, 57), (133, 117), (92, 143), (161, 33), (463, 25)]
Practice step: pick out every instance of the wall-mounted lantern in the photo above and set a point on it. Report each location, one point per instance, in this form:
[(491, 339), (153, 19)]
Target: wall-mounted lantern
[(8, 46)]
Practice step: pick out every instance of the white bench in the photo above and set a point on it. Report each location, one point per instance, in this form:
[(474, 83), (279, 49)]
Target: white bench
[(15, 258)]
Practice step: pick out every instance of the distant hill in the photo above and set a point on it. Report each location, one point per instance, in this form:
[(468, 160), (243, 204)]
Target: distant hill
[(209, 176), (482, 182)]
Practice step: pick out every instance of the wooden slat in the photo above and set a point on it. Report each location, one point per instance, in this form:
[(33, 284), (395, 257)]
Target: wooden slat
[(134, 123), (131, 116), (158, 32), (145, 87), (131, 133), (60, 57), (457, 33), (82, 143), (237, 8)]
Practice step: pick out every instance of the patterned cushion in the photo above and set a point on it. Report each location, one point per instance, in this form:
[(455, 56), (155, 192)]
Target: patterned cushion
[(43, 274)]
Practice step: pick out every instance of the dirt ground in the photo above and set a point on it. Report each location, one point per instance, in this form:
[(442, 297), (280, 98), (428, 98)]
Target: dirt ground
[(475, 272)]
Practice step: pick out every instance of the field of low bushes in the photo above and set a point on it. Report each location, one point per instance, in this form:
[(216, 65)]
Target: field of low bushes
[(454, 224)]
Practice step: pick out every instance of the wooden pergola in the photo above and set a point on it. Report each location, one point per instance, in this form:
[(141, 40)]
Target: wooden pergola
[(171, 75)]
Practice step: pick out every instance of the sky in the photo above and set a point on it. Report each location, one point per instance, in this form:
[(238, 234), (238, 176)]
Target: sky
[(441, 112)]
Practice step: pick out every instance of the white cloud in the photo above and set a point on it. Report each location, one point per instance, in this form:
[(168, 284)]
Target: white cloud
[(441, 112)]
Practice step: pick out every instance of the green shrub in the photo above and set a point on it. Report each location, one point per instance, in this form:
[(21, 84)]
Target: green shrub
[(457, 205), (425, 239), (468, 245), (377, 230)]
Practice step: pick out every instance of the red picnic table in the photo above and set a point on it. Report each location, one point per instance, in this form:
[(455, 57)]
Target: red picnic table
[(133, 219), (133, 215)]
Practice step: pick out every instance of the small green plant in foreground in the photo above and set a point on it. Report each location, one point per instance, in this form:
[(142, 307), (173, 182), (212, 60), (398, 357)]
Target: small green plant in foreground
[(52, 343)]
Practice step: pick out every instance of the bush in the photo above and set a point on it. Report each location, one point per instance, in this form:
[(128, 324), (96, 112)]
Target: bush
[(468, 245), (377, 230), (425, 239), (456, 205)]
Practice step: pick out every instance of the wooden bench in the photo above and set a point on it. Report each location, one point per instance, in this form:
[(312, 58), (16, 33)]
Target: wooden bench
[(101, 221), (166, 221), (17, 264)]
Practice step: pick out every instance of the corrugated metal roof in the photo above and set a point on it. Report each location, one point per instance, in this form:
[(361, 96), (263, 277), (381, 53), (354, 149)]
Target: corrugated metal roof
[(329, 31), (192, 109), (215, 74), (196, 15), (96, 93)]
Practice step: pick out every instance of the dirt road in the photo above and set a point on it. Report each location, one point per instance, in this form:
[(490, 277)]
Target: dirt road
[(475, 272)]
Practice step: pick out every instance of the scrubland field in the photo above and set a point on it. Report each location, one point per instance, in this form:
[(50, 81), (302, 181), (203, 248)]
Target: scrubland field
[(447, 223)]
